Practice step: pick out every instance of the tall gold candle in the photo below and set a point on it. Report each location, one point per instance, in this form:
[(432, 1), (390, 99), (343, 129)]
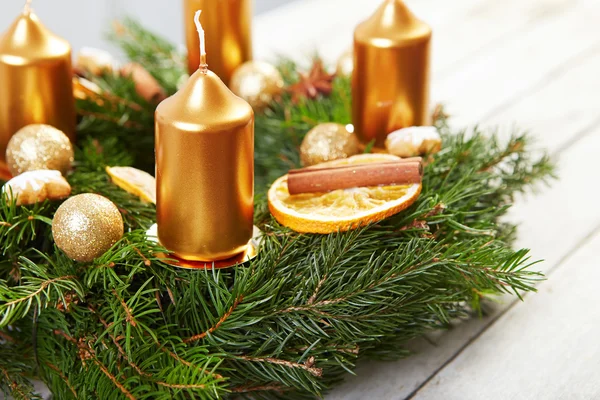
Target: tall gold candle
[(390, 83), (205, 168), (228, 25), (35, 79)]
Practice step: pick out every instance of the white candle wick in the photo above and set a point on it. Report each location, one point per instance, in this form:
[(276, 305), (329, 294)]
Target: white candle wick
[(200, 30), (27, 8)]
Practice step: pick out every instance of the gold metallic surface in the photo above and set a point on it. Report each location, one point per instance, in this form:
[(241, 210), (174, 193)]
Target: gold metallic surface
[(249, 253), (258, 83), (86, 226), (35, 80), (228, 27), (328, 142), (390, 83), (205, 170), (37, 147)]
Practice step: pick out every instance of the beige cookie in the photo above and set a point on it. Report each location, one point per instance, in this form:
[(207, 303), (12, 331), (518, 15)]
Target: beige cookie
[(414, 141), (95, 61), (36, 186)]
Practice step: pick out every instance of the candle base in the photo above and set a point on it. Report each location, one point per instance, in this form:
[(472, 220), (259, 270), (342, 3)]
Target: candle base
[(248, 254)]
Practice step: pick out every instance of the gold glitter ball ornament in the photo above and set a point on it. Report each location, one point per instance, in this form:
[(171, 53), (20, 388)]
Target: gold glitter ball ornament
[(258, 83), (37, 147), (86, 226), (327, 142)]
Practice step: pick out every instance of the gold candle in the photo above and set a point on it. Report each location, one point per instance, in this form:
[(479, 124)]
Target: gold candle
[(204, 168), (228, 27), (390, 83), (35, 79)]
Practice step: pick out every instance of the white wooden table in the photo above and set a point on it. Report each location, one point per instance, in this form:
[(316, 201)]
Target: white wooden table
[(536, 64)]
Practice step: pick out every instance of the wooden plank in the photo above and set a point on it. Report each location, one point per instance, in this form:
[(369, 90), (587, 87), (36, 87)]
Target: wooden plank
[(298, 30), (504, 47), (568, 99), (555, 122), (545, 348), (542, 230), (503, 74), (487, 26), (461, 29), (559, 126)]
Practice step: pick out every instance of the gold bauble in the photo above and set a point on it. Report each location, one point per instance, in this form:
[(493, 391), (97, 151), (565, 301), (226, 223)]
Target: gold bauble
[(326, 142), (86, 226), (37, 147), (345, 64), (258, 83)]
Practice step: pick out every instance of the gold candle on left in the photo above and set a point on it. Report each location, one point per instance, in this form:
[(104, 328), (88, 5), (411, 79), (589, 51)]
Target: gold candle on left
[(35, 79), (204, 168)]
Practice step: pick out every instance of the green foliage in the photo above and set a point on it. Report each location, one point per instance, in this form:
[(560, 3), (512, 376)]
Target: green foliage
[(290, 324), (157, 55)]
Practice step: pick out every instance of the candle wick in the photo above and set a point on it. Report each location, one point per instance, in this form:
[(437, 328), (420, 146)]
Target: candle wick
[(27, 8), (203, 65)]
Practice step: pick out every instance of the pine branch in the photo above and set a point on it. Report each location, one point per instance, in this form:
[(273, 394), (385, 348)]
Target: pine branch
[(15, 367), (36, 287), (16, 385), (217, 325), (159, 57)]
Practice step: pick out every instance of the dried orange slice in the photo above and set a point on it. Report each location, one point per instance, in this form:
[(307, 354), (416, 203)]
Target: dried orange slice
[(134, 181), (340, 210)]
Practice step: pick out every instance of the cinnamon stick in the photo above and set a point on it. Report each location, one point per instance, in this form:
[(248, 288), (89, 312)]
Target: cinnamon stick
[(145, 84), (318, 180), (403, 160)]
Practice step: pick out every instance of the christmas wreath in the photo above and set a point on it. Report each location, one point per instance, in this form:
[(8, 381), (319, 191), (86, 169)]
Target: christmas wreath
[(291, 323)]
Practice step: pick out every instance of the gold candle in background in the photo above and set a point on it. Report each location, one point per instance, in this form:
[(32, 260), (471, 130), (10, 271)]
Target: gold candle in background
[(228, 25), (204, 168), (35, 79), (390, 83)]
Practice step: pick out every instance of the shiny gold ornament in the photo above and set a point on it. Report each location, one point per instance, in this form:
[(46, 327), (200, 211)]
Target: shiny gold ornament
[(250, 252), (345, 64), (204, 169), (35, 79), (86, 226), (228, 25), (39, 147), (327, 142), (258, 83), (390, 83)]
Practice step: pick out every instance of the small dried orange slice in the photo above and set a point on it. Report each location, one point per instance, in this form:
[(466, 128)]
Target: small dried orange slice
[(134, 181), (340, 210)]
